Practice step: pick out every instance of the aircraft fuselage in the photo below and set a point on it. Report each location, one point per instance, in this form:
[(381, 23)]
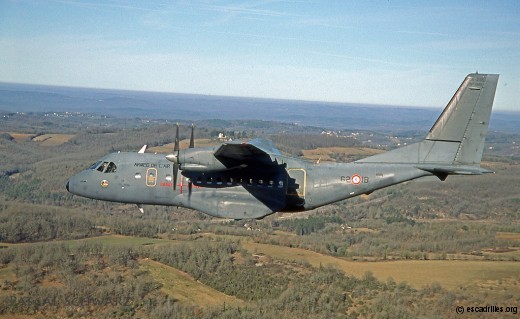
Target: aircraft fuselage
[(253, 179), (242, 192)]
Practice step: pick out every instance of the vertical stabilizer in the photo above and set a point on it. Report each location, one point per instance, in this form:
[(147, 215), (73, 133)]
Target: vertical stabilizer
[(465, 119), (458, 136)]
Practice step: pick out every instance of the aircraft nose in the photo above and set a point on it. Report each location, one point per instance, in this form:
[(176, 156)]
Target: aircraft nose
[(67, 186)]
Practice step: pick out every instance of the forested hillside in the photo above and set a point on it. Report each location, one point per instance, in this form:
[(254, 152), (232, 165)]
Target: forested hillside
[(66, 256)]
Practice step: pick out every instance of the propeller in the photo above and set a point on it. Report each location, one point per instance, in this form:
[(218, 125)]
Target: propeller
[(175, 157)]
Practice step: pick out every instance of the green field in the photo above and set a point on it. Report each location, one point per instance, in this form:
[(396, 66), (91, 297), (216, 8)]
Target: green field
[(53, 139), (495, 276), (183, 144), (324, 153), (185, 289), (451, 274)]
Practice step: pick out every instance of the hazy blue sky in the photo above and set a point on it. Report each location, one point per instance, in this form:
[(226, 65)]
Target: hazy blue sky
[(413, 53)]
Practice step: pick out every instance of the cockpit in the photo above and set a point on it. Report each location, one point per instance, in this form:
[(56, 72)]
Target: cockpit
[(104, 167)]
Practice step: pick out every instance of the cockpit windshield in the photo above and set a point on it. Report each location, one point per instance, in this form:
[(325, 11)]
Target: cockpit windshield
[(95, 165), (104, 167)]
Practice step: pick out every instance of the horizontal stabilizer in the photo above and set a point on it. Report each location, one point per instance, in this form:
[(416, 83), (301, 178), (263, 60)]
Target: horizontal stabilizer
[(443, 171), (454, 169)]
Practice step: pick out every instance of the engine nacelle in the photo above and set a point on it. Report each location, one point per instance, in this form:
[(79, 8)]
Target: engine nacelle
[(197, 160)]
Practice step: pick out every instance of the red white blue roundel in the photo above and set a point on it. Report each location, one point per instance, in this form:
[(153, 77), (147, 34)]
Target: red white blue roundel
[(356, 179)]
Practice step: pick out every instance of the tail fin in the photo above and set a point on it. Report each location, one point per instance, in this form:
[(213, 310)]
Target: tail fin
[(457, 137), (465, 119)]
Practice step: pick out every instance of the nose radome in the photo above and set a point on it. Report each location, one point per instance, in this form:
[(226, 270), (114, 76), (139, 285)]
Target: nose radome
[(67, 186)]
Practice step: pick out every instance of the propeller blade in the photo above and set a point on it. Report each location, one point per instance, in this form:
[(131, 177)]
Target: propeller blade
[(176, 145), (192, 138), (176, 163), (192, 145)]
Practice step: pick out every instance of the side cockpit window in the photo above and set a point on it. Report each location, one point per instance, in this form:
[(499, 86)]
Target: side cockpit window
[(102, 167), (111, 168), (105, 167)]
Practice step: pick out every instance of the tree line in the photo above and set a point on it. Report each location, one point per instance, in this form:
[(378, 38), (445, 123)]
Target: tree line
[(93, 279)]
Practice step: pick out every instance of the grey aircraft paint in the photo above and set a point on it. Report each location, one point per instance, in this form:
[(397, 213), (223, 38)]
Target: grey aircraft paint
[(243, 180)]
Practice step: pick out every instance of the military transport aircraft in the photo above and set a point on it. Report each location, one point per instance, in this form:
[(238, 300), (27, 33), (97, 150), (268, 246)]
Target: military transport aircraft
[(243, 180)]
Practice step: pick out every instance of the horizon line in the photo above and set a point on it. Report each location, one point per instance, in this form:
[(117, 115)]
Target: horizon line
[(364, 104)]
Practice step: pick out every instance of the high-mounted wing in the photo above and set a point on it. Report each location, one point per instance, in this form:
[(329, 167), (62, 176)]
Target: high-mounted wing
[(257, 151), (247, 162)]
